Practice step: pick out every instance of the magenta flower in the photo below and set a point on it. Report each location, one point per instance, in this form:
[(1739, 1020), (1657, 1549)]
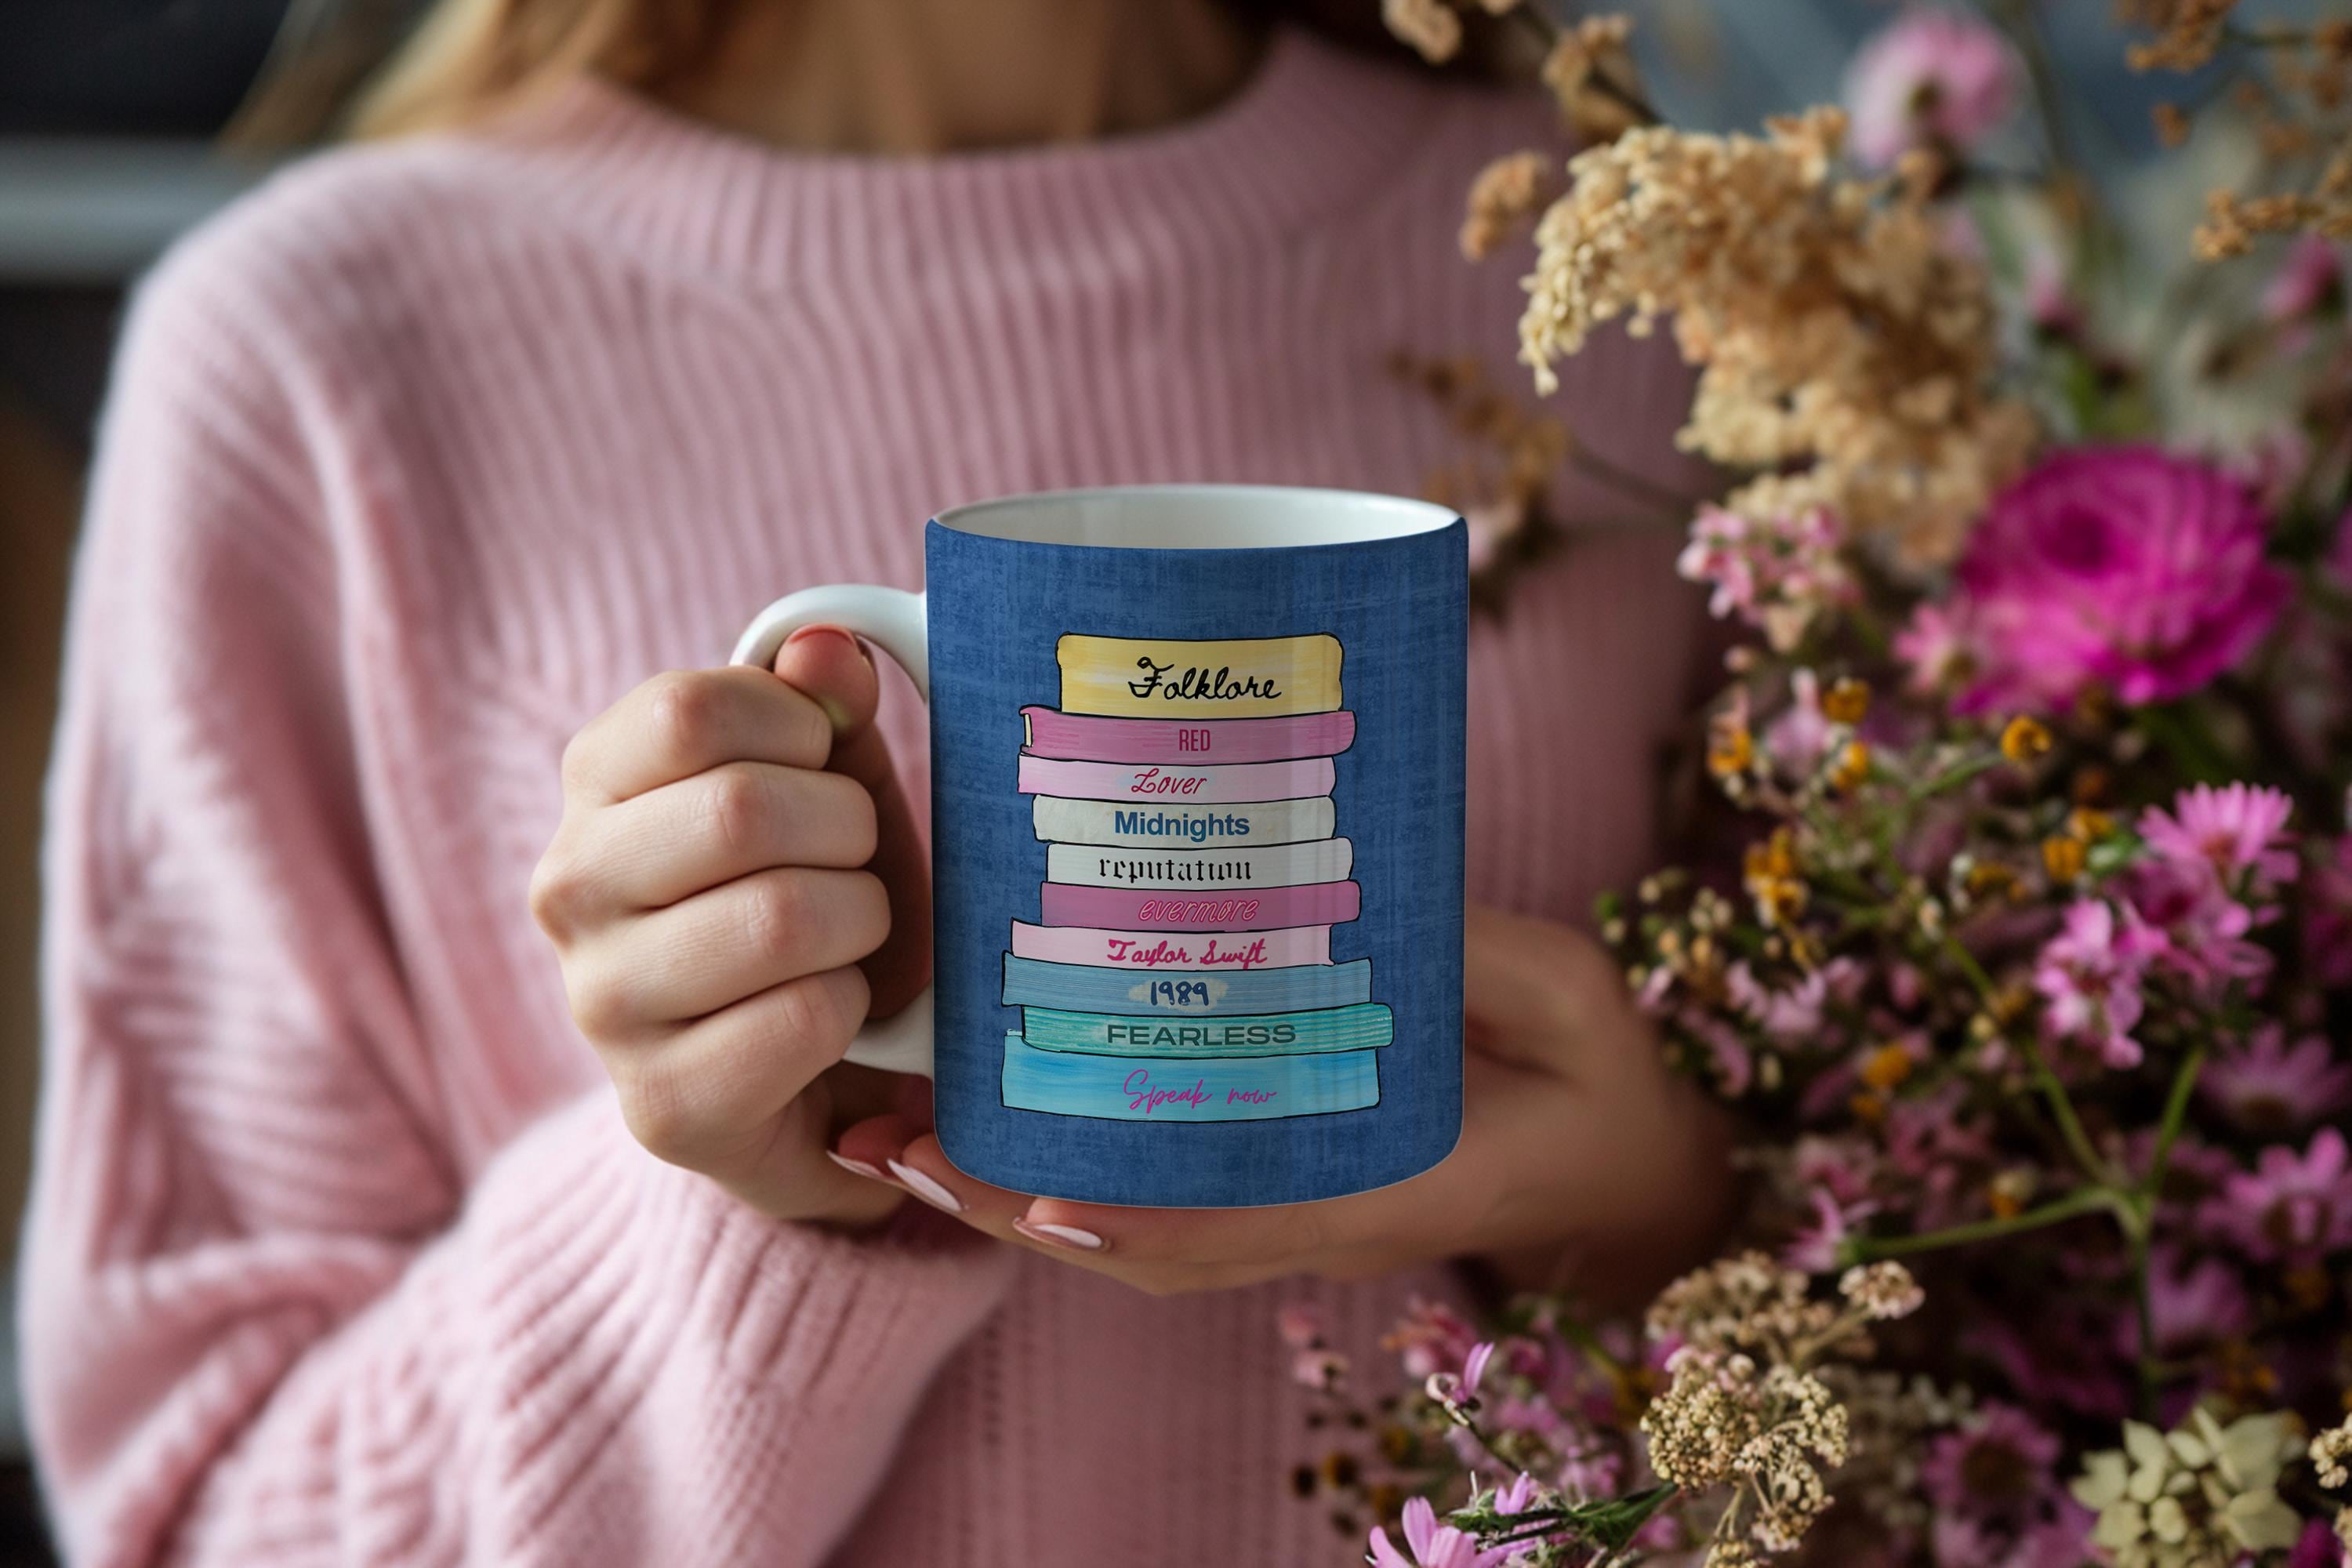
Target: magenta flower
[(1939, 78), (2125, 567), (2263, 1084), (2089, 975), (2319, 1548), (2291, 1207), (1776, 576), (2237, 829), (1432, 1545)]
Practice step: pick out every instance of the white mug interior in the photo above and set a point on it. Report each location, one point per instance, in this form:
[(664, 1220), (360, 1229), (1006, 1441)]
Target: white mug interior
[(1198, 517)]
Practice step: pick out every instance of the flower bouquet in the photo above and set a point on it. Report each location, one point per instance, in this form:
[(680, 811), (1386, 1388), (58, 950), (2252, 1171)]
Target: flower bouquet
[(2027, 972)]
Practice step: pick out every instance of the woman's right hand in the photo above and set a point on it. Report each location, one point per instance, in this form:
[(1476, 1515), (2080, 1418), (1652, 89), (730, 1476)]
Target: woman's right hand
[(735, 883)]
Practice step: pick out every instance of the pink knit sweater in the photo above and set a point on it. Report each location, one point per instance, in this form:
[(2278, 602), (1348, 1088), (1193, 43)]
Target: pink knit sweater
[(425, 454)]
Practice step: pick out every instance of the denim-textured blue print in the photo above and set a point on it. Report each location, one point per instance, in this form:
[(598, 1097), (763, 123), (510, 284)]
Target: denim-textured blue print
[(1219, 1119)]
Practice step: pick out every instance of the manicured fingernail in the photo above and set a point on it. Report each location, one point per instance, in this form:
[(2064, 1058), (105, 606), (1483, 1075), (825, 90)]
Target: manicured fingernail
[(1060, 1235), (856, 1167), (926, 1188)]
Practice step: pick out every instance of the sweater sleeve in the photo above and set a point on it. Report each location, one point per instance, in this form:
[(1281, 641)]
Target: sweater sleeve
[(267, 1319)]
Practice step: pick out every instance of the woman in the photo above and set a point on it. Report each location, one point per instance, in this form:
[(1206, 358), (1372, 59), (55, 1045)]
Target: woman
[(344, 1248)]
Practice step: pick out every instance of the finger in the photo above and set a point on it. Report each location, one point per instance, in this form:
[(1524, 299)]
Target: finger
[(687, 721), (728, 944), (703, 832), (709, 1096), (829, 665), (1534, 992)]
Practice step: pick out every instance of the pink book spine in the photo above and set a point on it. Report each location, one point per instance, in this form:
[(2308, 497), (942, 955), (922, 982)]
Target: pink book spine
[(1145, 950), (1083, 738), (1158, 909), (1161, 784)]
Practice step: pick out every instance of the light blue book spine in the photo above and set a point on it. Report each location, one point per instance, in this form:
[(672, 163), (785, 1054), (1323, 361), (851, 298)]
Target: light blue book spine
[(1360, 1028), (1230, 1088), (1195, 994)]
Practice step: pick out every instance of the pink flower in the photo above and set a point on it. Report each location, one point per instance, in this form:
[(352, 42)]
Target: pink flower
[(2089, 975), (2263, 1084), (2119, 566), (1814, 1248), (2291, 1207), (1432, 1545), (2237, 829), (1515, 1498), (1776, 576), (1998, 1465), (1930, 79), (1800, 734), (1787, 1016), (2309, 282), (2199, 930), (1302, 1325), (1474, 1367), (1934, 647), (2195, 1307), (1431, 1337)]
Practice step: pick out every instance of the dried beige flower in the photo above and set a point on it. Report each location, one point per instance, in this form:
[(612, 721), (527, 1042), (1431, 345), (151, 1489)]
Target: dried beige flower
[(1848, 354), (1504, 199), (1591, 73), (1766, 1433), (1431, 26), (2331, 1454), (2188, 32), (1883, 1292)]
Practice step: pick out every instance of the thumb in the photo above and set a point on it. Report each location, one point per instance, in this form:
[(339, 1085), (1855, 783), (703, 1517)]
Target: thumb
[(831, 667)]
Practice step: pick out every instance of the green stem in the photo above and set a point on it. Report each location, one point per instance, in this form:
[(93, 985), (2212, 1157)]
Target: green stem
[(2074, 1206), (2062, 1106), (2053, 1088), (1953, 777), (2135, 1232), (2176, 1112)]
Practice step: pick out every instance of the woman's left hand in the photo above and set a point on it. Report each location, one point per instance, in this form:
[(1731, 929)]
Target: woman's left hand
[(1583, 1161)]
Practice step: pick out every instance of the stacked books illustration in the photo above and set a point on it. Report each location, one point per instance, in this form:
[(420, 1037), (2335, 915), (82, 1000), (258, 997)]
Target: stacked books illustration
[(1180, 968)]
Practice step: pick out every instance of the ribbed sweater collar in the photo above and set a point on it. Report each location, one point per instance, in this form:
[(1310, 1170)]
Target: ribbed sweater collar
[(1310, 136)]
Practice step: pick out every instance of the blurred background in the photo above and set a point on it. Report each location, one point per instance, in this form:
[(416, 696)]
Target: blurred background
[(111, 121)]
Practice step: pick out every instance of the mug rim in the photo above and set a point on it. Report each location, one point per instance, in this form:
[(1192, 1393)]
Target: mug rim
[(1380, 518)]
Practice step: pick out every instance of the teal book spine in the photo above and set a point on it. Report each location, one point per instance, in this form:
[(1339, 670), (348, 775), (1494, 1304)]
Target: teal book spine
[(1366, 1027), (1231, 1088), (1190, 992)]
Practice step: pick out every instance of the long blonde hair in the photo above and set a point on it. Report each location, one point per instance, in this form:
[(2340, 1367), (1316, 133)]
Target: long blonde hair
[(468, 61), (471, 60)]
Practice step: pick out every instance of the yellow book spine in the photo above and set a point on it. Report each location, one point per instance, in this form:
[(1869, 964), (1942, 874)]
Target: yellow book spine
[(1234, 677)]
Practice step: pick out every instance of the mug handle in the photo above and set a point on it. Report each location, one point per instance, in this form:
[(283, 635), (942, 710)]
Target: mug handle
[(893, 620)]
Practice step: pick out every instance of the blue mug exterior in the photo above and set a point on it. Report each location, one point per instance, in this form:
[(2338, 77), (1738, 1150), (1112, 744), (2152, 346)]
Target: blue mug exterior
[(1187, 1074)]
